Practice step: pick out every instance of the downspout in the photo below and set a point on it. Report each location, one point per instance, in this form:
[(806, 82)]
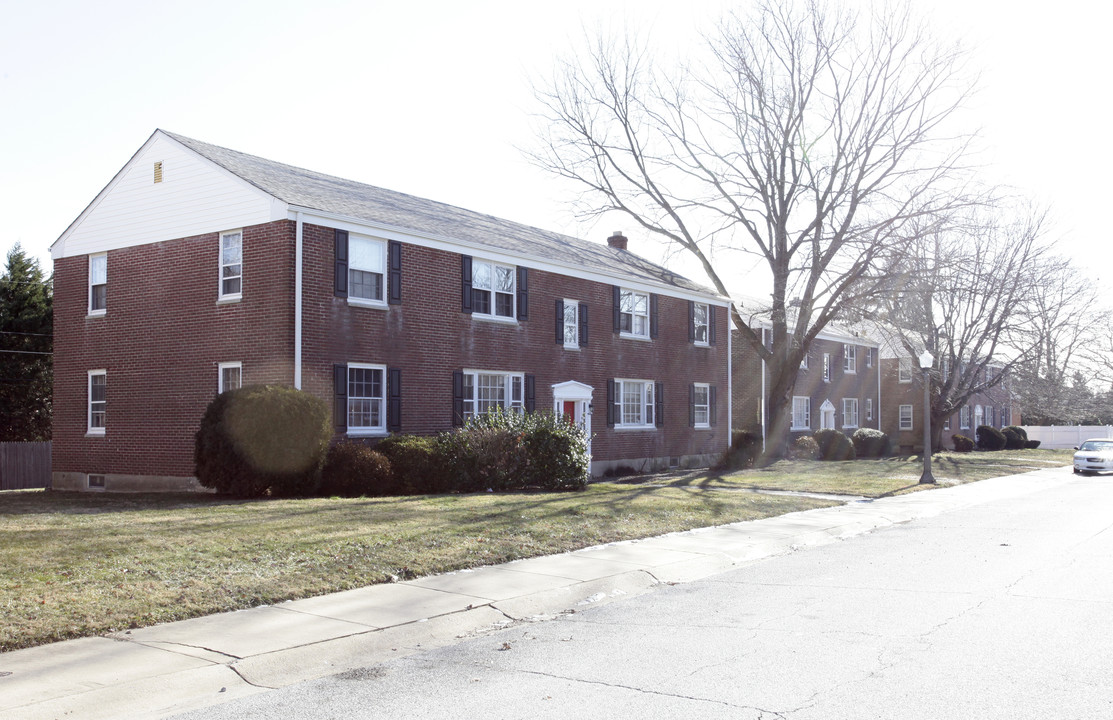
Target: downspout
[(879, 388), (730, 380), (761, 405), (297, 302)]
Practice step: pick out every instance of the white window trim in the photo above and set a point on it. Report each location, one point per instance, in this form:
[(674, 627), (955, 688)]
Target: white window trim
[(221, 367), (513, 316), (850, 359), (869, 358), (807, 413), (575, 305), (509, 404), (89, 288), (368, 302), (631, 334), (826, 367), (707, 389), (869, 409), (648, 404), (853, 402), (89, 429), (223, 297), (911, 419), (706, 342), (964, 417), (904, 370), (371, 430)]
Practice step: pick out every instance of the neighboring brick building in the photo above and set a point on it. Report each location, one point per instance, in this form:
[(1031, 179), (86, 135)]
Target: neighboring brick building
[(902, 388), (837, 387), (200, 268)]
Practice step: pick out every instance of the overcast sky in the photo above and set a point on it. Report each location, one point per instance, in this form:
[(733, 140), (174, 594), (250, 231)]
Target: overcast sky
[(433, 98)]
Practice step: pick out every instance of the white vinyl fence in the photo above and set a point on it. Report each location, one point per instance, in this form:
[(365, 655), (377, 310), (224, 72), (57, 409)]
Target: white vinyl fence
[(1066, 436)]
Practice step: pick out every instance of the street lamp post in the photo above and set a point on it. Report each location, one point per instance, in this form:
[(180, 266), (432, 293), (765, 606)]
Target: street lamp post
[(925, 364)]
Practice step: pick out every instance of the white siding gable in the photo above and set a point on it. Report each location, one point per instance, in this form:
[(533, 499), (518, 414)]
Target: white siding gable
[(194, 197)]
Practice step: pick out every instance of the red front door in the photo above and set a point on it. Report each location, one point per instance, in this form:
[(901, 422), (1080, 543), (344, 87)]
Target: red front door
[(570, 410)]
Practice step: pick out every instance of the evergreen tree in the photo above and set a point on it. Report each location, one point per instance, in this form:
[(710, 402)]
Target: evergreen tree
[(26, 331)]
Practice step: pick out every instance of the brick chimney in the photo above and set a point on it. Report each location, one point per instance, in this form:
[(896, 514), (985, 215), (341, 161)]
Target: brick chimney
[(618, 240)]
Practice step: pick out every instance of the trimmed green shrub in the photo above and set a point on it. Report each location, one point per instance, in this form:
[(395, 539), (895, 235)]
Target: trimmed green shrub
[(353, 469), (833, 445), (745, 447), (416, 463), (962, 443), (1013, 439), (871, 443), (263, 440), (1031, 444), (1018, 430), (989, 438), (804, 448)]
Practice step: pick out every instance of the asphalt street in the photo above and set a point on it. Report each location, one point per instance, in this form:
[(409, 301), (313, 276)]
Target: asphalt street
[(1000, 610)]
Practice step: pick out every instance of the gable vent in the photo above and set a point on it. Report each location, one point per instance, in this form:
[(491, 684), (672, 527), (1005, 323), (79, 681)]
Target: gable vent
[(158, 171)]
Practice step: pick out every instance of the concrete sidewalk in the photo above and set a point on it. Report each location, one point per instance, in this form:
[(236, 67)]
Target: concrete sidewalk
[(162, 670)]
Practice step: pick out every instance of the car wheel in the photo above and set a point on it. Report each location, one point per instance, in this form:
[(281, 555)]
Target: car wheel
[(1077, 471)]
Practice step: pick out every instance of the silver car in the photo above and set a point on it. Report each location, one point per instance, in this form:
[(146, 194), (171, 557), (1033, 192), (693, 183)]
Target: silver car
[(1094, 456)]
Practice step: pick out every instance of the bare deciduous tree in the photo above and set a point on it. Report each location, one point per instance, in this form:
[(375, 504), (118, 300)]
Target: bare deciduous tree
[(809, 138), (964, 288)]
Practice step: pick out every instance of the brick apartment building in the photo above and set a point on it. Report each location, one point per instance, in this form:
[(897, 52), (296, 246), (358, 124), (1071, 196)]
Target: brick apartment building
[(902, 387), (837, 385), (199, 269)]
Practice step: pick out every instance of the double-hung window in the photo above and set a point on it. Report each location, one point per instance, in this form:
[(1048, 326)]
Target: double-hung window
[(635, 401), (849, 358), (634, 313), (229, 376), (98, 402), (366, 399), (231, 265), (869, 408), (905, 417), (804, 362), (486, 391), (492, 289), (826, 367), (801, 413), (964, 417), (869, 357), (701, 405), (98, 284), (904, 370), (850, 412), (366, 269), (571, 313), (701, 323)]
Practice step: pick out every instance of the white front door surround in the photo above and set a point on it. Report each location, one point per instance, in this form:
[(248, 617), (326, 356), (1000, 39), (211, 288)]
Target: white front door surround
[(573, 399)]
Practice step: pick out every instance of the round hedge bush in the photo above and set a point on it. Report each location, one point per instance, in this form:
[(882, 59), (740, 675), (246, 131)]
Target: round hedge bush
[(871, 443), (1013, 439), (989, 438), (834, 445), (262, 440), (962, 443), (804, 448), (744, 449), (353, 469), (416, 464)]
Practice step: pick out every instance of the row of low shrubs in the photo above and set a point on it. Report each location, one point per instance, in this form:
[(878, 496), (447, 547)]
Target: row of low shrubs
[(274, 440), (1010, 437)]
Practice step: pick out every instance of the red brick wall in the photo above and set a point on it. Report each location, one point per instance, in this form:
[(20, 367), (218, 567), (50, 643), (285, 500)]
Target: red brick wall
[(164, 334), (160, 341), (861, 384), (430, 337)]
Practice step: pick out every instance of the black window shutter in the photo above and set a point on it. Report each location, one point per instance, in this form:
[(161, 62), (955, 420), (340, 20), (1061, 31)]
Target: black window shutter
[(711, 324), (340, 242), (393, 399), (653, 315), (340, 397), (465, 277), (659, 404), (559, 321), (531, 393), (458, 397), (711, 405), (691, 321), (583, 325), (692, 405), (523, 293), (617, 309), (610, 403), (394, 272)]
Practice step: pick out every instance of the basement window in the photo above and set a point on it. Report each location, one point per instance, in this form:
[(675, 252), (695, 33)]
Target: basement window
[(95, 482)]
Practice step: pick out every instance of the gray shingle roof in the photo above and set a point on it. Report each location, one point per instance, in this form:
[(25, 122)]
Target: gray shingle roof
[(348, 198)]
